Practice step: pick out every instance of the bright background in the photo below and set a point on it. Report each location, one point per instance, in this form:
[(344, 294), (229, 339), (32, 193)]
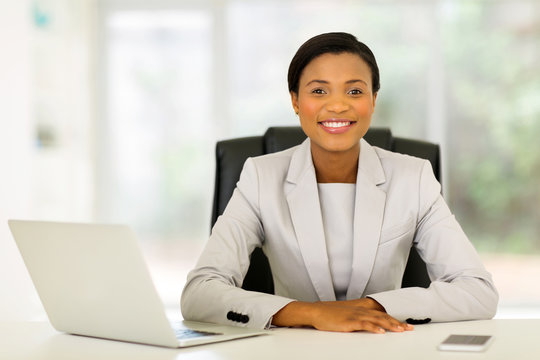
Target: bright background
[(110, 110)]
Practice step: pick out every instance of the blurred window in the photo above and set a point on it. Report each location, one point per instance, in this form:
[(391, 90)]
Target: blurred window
[(463, 74)]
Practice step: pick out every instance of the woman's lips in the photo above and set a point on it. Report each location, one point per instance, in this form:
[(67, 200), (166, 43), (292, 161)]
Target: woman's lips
[(337, 126)]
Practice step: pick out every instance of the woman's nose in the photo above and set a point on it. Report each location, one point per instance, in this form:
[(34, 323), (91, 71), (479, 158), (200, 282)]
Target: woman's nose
[(337, 104)]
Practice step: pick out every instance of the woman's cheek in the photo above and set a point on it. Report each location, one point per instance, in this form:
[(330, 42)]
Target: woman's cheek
[(309, 108), (364, 109)]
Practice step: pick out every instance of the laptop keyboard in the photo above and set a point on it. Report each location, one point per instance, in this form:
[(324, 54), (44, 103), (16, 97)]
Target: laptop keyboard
[(182, 334)]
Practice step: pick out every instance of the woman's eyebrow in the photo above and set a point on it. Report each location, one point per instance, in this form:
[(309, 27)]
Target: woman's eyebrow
[(317, 81), (355, 80), (352, 81)]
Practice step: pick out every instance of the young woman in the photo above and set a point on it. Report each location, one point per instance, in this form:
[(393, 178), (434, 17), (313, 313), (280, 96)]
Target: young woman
[(336, 218)]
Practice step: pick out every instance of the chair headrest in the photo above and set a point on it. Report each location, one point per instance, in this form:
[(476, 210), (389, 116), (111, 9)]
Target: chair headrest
[(279, 138)]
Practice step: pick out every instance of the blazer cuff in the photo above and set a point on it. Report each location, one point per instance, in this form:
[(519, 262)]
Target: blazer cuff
[(257, 309), (404, 304)]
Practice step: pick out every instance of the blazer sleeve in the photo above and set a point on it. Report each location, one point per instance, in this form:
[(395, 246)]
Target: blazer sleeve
[(461, 288), (213, 290)]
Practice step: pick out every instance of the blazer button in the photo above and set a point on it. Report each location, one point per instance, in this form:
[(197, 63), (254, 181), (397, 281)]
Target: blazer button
[(244, 319)]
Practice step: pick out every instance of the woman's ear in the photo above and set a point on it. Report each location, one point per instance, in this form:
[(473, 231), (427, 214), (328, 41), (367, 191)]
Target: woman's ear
[(374, 99), (294, 100)]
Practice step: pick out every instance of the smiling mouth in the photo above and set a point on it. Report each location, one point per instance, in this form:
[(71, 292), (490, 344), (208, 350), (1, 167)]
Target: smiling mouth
[(336, 123)]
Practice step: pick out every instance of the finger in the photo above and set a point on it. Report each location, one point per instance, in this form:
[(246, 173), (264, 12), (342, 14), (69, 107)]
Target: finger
[(375, 324), (389, 323), (370, 327)]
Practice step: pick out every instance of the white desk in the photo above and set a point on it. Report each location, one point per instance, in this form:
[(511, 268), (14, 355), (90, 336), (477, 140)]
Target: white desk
[(514, 340)]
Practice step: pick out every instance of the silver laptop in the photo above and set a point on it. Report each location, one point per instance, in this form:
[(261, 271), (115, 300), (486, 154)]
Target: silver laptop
[(92, 280)]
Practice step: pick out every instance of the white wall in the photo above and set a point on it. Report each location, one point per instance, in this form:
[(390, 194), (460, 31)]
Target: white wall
[(18, 299)]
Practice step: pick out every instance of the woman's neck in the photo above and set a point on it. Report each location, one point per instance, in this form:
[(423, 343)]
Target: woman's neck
[(335, 167)]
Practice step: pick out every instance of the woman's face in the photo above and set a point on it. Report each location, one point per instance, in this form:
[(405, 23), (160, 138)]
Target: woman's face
[(335, 102)]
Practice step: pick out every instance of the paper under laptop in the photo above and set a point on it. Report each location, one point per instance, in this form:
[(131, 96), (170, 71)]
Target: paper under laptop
[(92, 280)]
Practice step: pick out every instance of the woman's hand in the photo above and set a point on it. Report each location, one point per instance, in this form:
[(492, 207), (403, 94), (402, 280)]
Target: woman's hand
[(367, 303), (346, 316)]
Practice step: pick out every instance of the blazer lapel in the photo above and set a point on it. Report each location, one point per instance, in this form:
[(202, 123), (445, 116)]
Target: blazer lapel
[(303, 200), (368, 218)]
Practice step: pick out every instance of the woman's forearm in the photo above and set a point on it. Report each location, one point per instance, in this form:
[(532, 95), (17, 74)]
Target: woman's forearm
[(296, 313)]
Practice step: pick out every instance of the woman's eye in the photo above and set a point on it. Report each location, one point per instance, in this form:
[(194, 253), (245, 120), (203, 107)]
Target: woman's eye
[(317, 91), (355, 92)]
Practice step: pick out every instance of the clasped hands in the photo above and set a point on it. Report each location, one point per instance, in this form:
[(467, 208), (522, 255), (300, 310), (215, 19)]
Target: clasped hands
[(363, 314)]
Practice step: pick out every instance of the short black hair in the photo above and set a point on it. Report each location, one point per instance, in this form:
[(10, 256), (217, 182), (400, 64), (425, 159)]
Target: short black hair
[(334, 43)]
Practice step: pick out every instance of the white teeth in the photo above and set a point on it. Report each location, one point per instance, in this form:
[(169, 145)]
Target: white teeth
[(336, 124)]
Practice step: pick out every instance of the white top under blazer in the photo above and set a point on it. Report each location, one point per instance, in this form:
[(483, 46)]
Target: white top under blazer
[(398, 204), (337, 210)]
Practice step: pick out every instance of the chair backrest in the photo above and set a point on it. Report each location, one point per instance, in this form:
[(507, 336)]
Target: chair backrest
[(230, 158)]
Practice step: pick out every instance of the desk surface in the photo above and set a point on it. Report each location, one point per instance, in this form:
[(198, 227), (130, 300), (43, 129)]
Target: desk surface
[(514, 339)]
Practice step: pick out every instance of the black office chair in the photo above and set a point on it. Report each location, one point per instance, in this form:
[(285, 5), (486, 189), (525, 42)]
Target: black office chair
[(230, 158)]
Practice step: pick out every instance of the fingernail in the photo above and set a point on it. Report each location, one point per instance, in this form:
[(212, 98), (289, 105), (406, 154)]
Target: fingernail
[(381, 330)]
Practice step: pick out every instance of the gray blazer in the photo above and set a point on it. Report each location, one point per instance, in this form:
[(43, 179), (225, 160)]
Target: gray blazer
[(398, 205)]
